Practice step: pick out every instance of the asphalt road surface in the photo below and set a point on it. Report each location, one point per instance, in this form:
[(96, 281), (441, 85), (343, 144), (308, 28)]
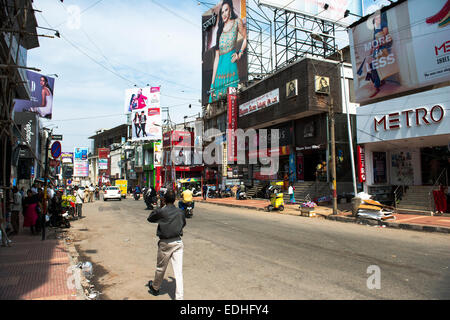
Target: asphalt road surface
[(240, 254)]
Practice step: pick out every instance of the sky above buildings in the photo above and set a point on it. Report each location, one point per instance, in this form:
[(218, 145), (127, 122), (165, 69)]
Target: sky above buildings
[(109, 46)]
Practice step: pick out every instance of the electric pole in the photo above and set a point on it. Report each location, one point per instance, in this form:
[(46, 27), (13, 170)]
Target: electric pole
[(333, 156)]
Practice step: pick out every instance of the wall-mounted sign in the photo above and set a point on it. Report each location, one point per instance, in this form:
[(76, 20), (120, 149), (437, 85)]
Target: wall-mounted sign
[(361, 164), (264, 101)]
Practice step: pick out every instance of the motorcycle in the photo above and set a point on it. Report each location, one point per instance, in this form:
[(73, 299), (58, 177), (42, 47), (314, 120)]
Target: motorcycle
[(189, 210), (243, 196), (227, 193), (137, 196), (60, 220)]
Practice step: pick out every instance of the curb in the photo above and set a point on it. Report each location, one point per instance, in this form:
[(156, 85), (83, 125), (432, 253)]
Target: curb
[(389, 224)]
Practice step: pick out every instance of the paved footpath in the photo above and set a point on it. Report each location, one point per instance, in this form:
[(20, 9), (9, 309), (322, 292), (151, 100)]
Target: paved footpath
[(32, 269), (401, 221)]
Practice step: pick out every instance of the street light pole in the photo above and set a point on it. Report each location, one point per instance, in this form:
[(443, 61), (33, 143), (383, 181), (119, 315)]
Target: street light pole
[(333, 156), (350, 140), (44, 209)]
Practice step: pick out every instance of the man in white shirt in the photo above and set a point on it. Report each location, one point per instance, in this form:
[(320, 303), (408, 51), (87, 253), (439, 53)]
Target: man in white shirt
[(91, 193), (79, 196)]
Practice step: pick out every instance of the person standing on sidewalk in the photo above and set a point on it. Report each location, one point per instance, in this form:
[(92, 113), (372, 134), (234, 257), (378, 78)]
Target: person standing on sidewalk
[(171, 222), (204, 191), (291, 194), (79, 196), (16, 209)]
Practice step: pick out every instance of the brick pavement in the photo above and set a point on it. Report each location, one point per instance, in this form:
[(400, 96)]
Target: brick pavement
[(32, 269), (408, 221)]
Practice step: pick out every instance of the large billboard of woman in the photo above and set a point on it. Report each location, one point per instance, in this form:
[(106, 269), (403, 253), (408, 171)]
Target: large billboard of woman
[(41, 100), (401, 48), (224, 57)]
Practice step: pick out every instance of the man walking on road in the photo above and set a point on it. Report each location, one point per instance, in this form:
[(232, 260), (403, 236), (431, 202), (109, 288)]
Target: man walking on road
[(171, 222), (79, 195)]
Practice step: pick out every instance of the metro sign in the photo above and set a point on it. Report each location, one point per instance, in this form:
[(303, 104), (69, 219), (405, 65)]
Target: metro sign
[(420, 116)]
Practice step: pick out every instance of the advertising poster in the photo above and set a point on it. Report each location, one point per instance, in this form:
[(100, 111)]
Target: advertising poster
[(80, 164), (224, 49), (400, 49), (67, 157), (144, 104), (41, 101), (157, 154)]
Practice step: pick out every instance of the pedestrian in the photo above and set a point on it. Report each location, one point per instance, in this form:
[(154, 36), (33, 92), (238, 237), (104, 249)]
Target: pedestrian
[(31, 211), (91, 193), (79, 196), (171, 222), (204, 191), (16, 209), (291, 194), (34, 188), (85, 195)]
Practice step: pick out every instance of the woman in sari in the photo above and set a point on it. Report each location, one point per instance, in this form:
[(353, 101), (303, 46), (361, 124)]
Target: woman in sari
[(31, 207), (225, 70)]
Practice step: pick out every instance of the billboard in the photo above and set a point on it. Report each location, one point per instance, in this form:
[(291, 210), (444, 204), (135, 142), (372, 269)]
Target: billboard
[(103, 154), (41, 100), (67, 157), (144, 104), (80, 162), (261, 102), (157, 154), (224, 44), (315, 8), (403, 48)]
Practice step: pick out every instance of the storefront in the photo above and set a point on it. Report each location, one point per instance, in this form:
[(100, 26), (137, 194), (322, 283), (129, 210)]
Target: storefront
[(404, 141)]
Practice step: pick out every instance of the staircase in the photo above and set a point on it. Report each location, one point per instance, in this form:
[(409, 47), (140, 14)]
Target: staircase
[(416, 199), (253, 191), (302, 189)]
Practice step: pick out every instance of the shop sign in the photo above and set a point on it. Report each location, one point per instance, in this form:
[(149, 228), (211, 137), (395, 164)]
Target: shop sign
[(259, 103), (418, 116), (361, 164), (232, 122)]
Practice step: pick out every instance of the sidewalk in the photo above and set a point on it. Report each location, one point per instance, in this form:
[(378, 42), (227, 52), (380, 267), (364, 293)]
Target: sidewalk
[(32, 269), (401, 221)]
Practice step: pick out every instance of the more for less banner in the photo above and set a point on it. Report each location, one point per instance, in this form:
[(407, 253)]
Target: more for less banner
[(403, 48)]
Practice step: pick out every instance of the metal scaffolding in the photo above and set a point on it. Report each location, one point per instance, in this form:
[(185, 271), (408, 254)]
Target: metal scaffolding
[(297, 35)]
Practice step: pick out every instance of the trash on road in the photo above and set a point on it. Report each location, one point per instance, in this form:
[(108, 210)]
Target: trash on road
[(87, 269)]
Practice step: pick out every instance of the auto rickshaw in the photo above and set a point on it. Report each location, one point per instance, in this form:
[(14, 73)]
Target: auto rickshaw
[(276, 201)]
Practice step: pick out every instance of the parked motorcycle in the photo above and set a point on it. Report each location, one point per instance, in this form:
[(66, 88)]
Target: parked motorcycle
[(227, 193)]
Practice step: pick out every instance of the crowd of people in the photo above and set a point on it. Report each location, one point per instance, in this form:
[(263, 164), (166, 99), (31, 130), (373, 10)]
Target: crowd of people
[(29, 207)]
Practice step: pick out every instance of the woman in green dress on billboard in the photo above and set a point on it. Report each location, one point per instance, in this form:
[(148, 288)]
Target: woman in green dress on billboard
[(225, 70)]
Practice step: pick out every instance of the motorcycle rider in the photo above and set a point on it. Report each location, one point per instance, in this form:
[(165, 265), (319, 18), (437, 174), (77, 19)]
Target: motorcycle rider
[(150, 197), (186, 198)]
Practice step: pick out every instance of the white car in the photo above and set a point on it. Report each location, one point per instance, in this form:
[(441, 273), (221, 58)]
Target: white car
[(112, 193)]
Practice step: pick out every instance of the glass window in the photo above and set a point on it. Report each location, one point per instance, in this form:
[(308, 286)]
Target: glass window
[(379, 167)]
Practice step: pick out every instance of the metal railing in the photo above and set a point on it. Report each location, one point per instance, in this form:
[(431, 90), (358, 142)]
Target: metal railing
[(398, 194), (430, 194)]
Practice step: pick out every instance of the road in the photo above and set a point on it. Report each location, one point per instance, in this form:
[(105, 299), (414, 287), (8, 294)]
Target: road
[(240, 254)]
